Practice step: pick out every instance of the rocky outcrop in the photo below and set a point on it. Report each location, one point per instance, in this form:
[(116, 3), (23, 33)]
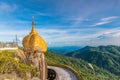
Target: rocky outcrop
[(36, 60)]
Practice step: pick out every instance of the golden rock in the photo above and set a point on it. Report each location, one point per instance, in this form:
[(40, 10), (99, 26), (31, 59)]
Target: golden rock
[(6, 79), (33, 41)]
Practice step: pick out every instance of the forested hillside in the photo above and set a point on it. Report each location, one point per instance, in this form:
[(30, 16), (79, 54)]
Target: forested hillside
[(81, 67), (9, 64), (106, 57)]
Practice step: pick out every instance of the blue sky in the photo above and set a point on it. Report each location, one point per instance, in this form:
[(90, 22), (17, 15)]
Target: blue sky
[(62, 22)]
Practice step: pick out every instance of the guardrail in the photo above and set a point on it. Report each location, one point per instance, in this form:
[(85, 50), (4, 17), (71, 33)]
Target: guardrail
[(69, 68), (9, 48)]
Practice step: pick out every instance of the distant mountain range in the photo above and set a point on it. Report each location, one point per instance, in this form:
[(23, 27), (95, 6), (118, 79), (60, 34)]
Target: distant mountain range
[(63, 50), (82, 67), (106, 57), (78, 65)]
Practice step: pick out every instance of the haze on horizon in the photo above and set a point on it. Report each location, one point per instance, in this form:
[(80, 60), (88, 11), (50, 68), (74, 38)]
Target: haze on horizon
[(62, 22)]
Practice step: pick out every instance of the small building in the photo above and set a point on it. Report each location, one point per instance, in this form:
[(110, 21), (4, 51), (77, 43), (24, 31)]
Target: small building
[(8, 46)]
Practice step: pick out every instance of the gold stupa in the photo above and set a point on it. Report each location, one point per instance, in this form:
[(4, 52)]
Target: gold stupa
[(33, 41)]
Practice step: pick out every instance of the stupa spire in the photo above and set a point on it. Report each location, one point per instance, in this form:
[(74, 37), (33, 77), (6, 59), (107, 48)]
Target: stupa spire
[(33, 26), (34, 40)]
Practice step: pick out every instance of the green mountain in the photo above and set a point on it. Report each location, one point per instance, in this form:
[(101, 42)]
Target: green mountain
[(106, 57), (63, 50), (81, 67), (9, 64)]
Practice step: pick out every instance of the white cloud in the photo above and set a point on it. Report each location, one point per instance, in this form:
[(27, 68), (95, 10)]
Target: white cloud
[(55, 37), (75, 20), (5, 7), (42, 14), (101, 23), (109, 18), (106, 37), (105, 20), (76, 37)]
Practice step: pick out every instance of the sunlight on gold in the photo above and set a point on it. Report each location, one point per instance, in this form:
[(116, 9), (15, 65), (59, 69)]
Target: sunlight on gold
[(34, 40), (6, 79)]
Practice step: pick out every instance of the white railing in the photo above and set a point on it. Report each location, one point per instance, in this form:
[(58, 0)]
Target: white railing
[(14, 48)]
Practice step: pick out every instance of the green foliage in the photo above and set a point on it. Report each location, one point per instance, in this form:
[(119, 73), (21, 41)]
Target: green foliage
[(106, 57), (81, 67), (9, 64)]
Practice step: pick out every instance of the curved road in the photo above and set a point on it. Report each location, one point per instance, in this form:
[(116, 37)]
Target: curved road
[(63, 74)]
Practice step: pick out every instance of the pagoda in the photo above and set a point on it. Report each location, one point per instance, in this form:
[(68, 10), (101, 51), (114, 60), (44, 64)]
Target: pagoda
[(34, 49)]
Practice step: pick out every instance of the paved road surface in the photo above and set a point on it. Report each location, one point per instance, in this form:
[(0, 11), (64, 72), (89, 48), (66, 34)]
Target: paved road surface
[(63, 74)]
